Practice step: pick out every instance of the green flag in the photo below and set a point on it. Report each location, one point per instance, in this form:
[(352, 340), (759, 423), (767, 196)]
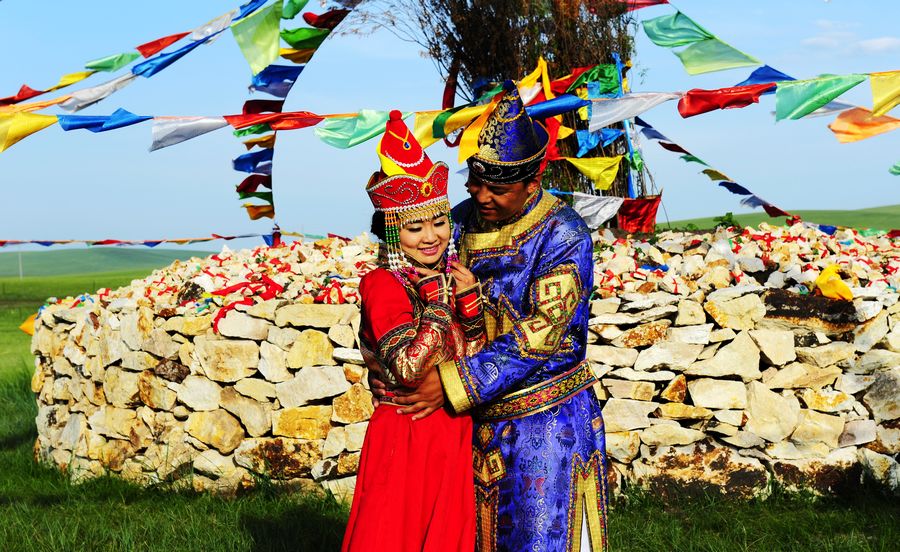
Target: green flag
[(292, 8), (253, 129), (713, 55), (346, 132), (258, 38), (689, 158), (113, 62), (305, 37), (265, 196), (797, 99), (606, 74), (674, 30), (895, 170)]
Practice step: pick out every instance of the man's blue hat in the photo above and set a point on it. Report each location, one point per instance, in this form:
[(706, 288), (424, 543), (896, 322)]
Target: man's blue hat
[(511, 146)]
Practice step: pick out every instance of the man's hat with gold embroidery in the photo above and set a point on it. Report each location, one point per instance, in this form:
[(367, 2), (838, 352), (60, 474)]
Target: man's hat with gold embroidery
[(409, 187), (511, 146)]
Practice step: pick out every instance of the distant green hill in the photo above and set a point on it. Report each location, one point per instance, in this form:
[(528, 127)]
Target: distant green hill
[(883, 218), (93, 260)]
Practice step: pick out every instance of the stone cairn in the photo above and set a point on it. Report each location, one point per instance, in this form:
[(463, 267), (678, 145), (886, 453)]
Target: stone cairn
[(718, 366)]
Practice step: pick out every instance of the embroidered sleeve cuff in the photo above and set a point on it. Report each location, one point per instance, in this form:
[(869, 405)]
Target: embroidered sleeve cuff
[(433, 288), (468, 301), (453, 386)]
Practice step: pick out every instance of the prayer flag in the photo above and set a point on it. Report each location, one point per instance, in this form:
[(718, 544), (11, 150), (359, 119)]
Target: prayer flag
[(256, 212), (26, 92), (265, 196), (885, 91), (214, 27), (276, 80), (638, 4), (254, 162), (713, 55), (250, 7), (859, 123), (328, 20), (605, 112), (670, 31), (292, 8), (16, 126), (607, 75), (113, 62), (714, 175), (168, 131), (763, 75), (258, 37), (89, 96), (698, 101), (28, 325), (32, 106), (346, 132), (155, 46), (639, 214), (153, 66), (255, 129), (735, 188), (556, 106), (690, 158), (895, 170), (672, 146), (304, 37), (468, 143), (588, 140), (601, 170), (796, 99), (275, 121), (297, 56), (254, 181), (595, 210), (263, 106), (101, 123), (267, 141)]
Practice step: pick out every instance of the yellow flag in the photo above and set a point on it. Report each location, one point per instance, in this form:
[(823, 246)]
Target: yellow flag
[(70, 79), (28, 325), (297, 56), (267, 141), (468, 145), (830, 284), (885, 91), (14, 127), (564, 132), (602, 170), (423, 129)]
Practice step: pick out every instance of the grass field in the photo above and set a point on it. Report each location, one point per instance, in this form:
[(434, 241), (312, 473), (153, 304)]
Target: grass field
[(41, 511), (61, 262), (883, 218)]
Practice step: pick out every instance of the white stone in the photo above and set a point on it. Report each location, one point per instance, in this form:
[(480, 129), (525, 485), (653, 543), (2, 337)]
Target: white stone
[(713, 393), (690, 334), (612, 356), (690, 313), (770, 415), (738, 358), (858, 432), (817, 427), (605, 306), (627, 414), (314, 382), (349, 356), (634, 375), (666, 435), (623, 446), (273, 362), (199, 393), (775, 346), (676, 356), (240, 325), (255, 388)]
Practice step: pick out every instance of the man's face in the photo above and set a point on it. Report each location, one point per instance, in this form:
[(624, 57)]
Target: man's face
[(498, 202)]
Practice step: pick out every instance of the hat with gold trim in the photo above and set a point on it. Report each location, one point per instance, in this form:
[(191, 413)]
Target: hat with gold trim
[(511, 146), (408, 188)]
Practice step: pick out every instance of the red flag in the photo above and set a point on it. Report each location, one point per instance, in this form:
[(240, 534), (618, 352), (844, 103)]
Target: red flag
[(638, 4), (278, 121), (639, 214), (263, 106), (156, 46), (254, 181), (699, 101), (328, 20), (559, 86), (24, 93), (773, 211), (673, 147)]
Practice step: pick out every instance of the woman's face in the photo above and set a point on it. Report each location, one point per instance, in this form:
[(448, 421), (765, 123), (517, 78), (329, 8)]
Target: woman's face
[(426, 241)]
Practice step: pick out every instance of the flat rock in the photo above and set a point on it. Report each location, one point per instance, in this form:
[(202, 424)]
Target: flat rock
[(642, 335), (690, 334), (282, 337), (312, 348), (240, 325), (353, 406), (216, 428), (858, 432), (854, 383), (675, 390), (675, 356), (741, 313), (315, 382), (612, 356), (880, 468), (625, 389), (690, 313), (154, 392), (667, 435), (816, 427), (634, 375), (836, 473), (881, 396), (874, 361), (273, 363), (255, 388), (348, 356), (315, 316), (199, 393), (770, 415), (775, 346), (827, 400), (254, 415), (626, 414), (799, 375), (713, 393), (826, 355), (342, 335), (161, 344), (738, 358), (121, 387), (605, 306), (304, 422), (226, 360), (679, 411), (279, 457), (623, 446)]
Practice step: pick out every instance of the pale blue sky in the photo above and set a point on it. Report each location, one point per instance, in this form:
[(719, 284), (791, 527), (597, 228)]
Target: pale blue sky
[(81, 185)]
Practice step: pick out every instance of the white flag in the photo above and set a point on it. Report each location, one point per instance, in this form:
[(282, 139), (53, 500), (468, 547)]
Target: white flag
[(605, 112), (168, 131), (89, 96), (595, 210)]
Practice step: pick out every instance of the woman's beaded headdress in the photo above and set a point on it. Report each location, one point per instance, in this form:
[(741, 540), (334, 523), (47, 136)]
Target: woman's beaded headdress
[(409, 188)]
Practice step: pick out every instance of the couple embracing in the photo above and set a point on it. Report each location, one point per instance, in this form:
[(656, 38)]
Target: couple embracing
[(487, 435)]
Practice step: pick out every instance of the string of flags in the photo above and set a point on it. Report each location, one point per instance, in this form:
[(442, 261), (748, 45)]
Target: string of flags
[(273, 238)]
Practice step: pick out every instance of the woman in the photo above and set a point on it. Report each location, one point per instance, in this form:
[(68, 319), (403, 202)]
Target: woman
[(420, 307)]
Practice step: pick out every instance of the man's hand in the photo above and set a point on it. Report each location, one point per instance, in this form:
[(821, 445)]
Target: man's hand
[(377, 386), (424, 400), (462, 276)]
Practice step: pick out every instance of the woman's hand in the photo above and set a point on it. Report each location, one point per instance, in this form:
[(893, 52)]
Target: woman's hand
[(462, 276), (420, 273)]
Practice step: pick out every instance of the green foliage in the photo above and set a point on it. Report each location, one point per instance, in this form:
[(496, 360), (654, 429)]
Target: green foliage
[(727, 221)]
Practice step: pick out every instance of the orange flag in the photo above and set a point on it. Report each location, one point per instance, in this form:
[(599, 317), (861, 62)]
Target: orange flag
[(256, 212), (28, 325), (859, 123)]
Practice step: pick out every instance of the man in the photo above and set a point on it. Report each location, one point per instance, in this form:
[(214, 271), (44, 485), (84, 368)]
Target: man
[(539, 447)]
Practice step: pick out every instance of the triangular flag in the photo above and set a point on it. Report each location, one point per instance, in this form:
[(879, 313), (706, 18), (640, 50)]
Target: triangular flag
[(258, 37), (670, 31), (713, 55), (895, 170), (304, 37), (28, 325), (346, 132), (297, 56), (168, 131), (601, 170), (859, 123), (113, 62), (256, 212), (155, 46), (16, 126), (292, 8), (796, 99), (885, 91)]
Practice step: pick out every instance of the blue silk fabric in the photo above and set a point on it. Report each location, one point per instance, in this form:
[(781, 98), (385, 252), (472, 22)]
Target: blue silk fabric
[(537, 475)]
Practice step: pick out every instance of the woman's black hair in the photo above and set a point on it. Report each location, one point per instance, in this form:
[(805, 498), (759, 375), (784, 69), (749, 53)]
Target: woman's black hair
[(377, 228)]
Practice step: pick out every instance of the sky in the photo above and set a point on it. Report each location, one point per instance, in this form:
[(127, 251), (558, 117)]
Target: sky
[(79, 185)]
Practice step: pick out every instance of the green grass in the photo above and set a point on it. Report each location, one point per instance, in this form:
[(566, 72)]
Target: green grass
[(882, 218), (41, 511), (80, 261)]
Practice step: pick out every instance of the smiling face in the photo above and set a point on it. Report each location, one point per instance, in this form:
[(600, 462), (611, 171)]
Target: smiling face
[(499, 202), (426, 241)]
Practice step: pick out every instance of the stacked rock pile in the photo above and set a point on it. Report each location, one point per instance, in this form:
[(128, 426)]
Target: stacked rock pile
[(717, 363)]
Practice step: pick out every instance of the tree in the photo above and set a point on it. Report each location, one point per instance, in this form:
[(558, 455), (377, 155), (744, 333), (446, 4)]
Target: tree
[(476, 42)]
